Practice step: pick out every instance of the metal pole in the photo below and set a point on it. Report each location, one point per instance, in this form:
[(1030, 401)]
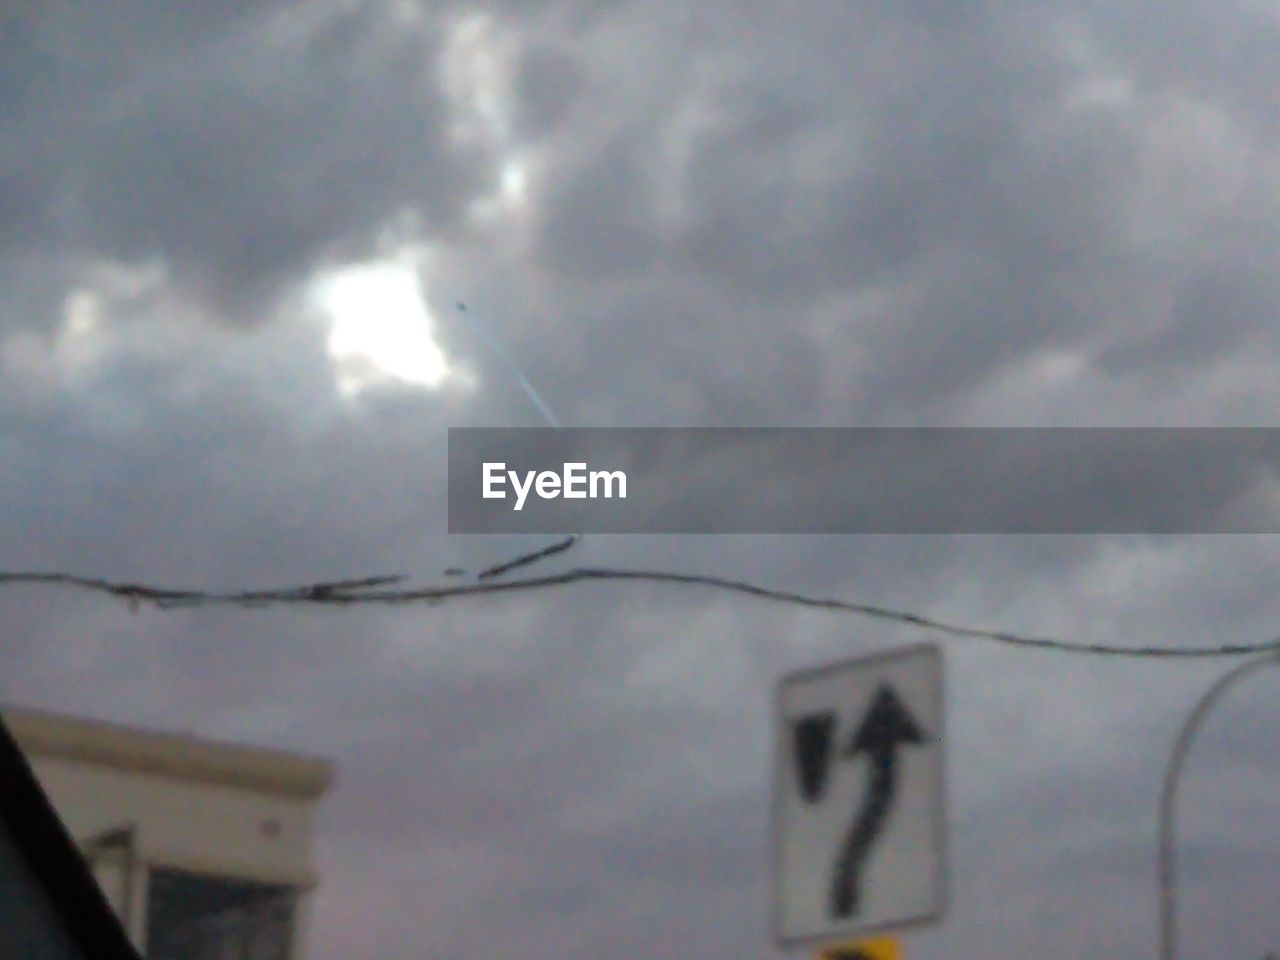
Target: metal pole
[(1169, 790)]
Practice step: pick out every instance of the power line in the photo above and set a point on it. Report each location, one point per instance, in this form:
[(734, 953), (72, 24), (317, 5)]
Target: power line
[(527, 559), (374, 591)]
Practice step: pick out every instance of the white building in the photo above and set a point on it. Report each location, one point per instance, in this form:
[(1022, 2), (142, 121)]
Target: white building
[(205, 849)]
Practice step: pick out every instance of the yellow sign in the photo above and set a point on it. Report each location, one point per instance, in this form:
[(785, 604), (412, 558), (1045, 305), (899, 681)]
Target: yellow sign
[(878, 948)]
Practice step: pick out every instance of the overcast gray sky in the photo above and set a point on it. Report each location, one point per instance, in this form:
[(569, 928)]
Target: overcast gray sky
[(232, 234)]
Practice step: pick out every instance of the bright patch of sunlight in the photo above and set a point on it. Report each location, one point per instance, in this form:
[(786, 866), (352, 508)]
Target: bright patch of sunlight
[(380, 327), (514, 185), (509, 196)]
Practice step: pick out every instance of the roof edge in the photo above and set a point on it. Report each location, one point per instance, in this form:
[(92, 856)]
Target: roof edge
[(54, 735)]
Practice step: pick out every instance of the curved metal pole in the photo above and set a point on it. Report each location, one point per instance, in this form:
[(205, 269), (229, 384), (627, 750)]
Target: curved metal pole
[(1169, 790)]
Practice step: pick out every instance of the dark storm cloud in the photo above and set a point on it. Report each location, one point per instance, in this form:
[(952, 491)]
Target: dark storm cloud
[(239, 150), (601, 217), (736, 214), (245, 175), (813, 172), (936, 163), (60, 59), (1236, 295), (547, 81)]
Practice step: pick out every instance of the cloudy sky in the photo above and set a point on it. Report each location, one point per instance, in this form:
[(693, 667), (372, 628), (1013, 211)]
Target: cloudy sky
[(232, 238)]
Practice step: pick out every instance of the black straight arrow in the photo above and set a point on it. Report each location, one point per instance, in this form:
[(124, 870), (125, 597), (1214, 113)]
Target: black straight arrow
[(885, 727)]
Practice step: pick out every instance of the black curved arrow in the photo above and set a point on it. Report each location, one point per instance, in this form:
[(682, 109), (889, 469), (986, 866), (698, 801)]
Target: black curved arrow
[(886, 725)]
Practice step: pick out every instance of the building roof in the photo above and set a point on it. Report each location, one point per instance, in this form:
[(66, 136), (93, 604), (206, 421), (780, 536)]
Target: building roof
[(54, 906), (44, 734)]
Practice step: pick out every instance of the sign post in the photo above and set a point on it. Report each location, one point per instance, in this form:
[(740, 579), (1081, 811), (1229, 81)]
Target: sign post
[(859, 819), (878, 948)]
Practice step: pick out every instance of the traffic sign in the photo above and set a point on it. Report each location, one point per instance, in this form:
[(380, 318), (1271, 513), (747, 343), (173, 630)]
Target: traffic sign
[(879, 948), (859, 819)]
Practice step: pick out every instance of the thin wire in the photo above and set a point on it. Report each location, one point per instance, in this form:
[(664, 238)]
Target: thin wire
[(528, 559), (366, 592), (535, 398)]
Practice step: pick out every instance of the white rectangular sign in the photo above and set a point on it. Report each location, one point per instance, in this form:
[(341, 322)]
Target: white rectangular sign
[(859, 816)]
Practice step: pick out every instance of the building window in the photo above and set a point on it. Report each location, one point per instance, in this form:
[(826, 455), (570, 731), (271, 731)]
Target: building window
[(196, 917)]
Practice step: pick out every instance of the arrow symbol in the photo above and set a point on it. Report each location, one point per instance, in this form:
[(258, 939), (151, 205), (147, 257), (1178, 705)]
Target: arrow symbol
[(812, 736), (885, 727)]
